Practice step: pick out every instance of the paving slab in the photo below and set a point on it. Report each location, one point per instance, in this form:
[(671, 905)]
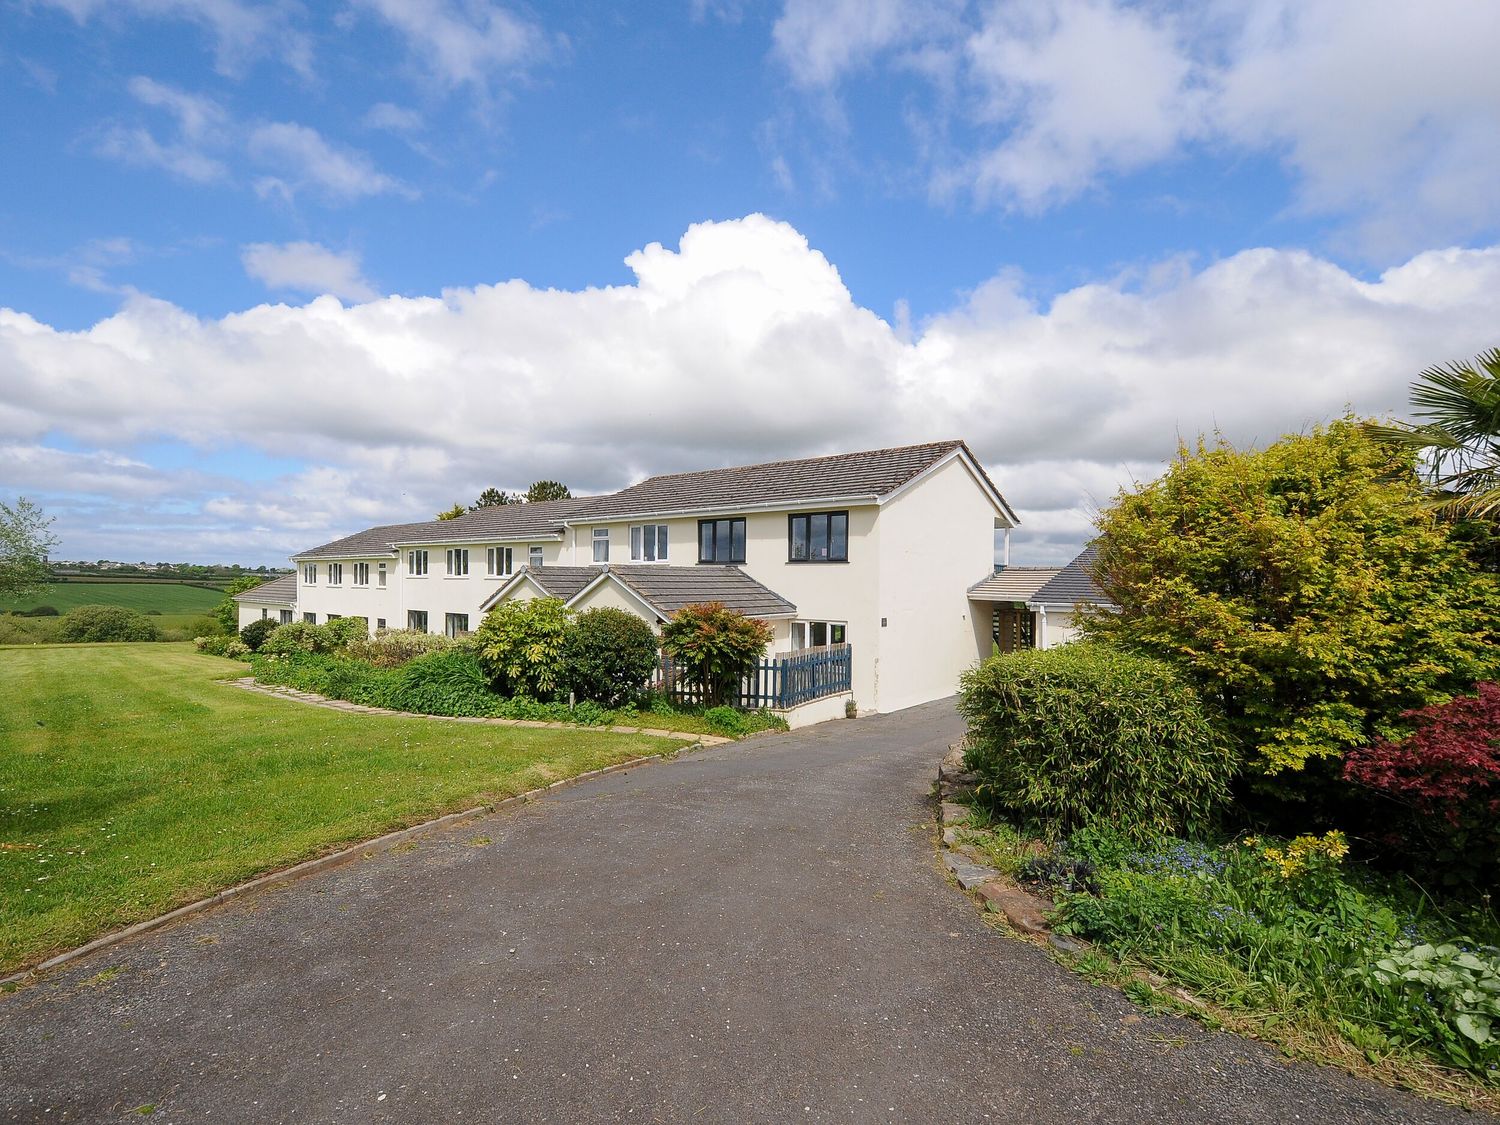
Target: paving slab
[(754, 933)]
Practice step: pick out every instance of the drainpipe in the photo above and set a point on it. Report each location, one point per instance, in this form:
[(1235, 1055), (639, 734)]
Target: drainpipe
[(1007, 547), (1041, 626)]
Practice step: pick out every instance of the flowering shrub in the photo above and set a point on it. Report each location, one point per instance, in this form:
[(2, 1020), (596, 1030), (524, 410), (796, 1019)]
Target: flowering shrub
[(1301, 855), (716, 647), (1446, 774)]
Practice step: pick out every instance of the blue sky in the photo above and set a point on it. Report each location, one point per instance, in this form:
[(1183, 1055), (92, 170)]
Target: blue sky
[(273, 271)]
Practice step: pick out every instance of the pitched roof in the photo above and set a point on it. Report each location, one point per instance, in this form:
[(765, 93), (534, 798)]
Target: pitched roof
[(1012, 584), (278, 591), (869, 474), (499, 521), (666, 589), (1073, 584), (370, 543)]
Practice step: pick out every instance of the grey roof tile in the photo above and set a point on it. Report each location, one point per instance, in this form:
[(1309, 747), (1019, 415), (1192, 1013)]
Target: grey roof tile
[(1073, 584), (278, 591), (668, 588), (1013, 583), (501, 521), (874, 472), (562, 581)]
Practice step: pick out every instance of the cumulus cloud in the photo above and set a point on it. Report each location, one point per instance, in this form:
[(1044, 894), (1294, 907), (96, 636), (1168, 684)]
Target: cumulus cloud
[(1384, 112), (307, 267), (741, 343)]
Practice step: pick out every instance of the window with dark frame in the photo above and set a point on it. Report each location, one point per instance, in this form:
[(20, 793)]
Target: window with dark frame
[(721, 541), (818, 537), (417, 619)]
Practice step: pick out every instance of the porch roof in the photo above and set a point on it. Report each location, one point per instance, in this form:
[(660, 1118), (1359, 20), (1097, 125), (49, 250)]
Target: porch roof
[(665, 589), (1012, 584)]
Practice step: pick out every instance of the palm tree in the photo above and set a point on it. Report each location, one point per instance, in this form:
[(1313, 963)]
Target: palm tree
[(1458, 405)]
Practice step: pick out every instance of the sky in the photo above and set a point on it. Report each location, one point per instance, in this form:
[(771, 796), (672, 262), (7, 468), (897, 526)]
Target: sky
[(271, 272)]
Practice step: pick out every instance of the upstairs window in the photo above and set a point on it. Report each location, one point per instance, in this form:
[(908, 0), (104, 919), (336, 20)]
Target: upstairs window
[(458, 562), (310, 574), (818, 537), (498, 561), (416, 563), (601, 544), (534, 557), (721, 541), (380, 576), (335, 574), (648, 542), (361, 574)]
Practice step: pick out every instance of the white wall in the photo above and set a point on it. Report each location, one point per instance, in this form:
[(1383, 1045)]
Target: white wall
[(1060, 628), (936, 540), (254, 611)]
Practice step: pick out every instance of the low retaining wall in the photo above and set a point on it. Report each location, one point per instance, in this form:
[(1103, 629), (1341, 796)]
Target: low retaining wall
[(817, 711)]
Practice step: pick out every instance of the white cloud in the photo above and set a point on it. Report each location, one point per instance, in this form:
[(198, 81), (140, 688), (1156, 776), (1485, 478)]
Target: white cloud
[(305, 159), (742, 343), (395, 118), (201, 126), (1386, 114), (469, 43), (307, 267)]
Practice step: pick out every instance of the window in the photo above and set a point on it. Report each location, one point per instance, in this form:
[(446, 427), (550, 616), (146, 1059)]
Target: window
[(333, 616), (380, 578), (499, 561), (818, 537), (721, 541), (310, 618), (335, 574), (818, 634), (648, 543), (264, 613), (417, 619), (286, 617), (416, 563), (380, 623), (455, 623), (601, 544), (310, 574), (534, 557), (458, 562), (361, 574)]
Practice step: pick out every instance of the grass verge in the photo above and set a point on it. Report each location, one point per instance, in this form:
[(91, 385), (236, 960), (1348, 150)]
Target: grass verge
[(133, 781)]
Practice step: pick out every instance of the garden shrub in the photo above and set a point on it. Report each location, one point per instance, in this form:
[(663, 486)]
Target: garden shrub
[(346, 631), (391, 648), (520, 645), (298, 636), (18, 630), (227, 613), (1444, 778), (40, 611), (254, 634), (1307, 587), (327, 674), (725, 720), (106, 623), (1086, 733), (716, 647), (610, 656), (449, 682)]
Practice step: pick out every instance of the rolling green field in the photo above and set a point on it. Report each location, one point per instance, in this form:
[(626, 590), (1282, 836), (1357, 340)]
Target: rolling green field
[(164, 597), (133, 780)]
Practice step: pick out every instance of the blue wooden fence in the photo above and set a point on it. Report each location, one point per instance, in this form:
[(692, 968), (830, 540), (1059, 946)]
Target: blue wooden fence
[(787, 680)]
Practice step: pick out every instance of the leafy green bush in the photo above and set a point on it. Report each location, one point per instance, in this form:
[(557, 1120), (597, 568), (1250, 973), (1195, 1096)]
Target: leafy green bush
[(298, 636), (336, 677), (106, 623), (18, 630), (1444, 996), (217, 644), (40, 611), (520, 645), (1083, 732), (716, 647), (610, 656), (1306, 587), (450, 682), (391, 648), (725, 720), (254, 634), (346, 631), (227, 613)]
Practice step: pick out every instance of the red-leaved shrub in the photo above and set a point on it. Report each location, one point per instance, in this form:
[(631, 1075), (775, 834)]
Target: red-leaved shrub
[(1447, 771)]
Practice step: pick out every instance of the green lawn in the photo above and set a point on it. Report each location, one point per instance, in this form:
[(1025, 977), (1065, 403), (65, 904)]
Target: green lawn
[(132, 780), (164, 597)]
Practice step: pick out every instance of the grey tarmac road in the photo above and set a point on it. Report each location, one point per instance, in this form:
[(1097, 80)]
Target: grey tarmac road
[(755, 933)]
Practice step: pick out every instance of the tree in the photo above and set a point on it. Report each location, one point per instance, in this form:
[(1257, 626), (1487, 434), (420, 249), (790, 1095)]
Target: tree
[(1459, 435), (495, 498), (1307, 587), (610, 656), (543, 490), (452, 513), (227, 612), (24, 543), (520, 644), (716, 646)]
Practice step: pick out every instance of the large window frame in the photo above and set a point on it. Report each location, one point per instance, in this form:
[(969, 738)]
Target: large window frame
[(718, 544), (817, 537), (458, 562), (499, 562), (335, 574), (361, 574), (818, 634), (416, 564), (455, 624), (417, 619), (648, 542)]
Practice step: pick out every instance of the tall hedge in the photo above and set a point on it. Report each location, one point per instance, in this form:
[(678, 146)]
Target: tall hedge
[(107, 623), (610, 656), (1083, 733)]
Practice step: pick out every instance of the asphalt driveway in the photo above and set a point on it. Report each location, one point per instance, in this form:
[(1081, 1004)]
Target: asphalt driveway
[(756, 933)]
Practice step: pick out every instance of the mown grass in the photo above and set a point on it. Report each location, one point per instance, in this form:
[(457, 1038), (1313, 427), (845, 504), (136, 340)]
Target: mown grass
[(164, 597), (132, 780)]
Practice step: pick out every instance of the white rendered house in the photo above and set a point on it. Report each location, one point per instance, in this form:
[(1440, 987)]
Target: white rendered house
[(875, 550)]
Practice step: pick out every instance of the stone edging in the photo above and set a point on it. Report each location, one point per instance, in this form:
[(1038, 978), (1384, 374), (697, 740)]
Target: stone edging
[(312, 866), (249, 684), (1027, 913)]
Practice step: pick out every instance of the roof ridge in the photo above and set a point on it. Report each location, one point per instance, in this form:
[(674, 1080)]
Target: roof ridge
[(947, 445)]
